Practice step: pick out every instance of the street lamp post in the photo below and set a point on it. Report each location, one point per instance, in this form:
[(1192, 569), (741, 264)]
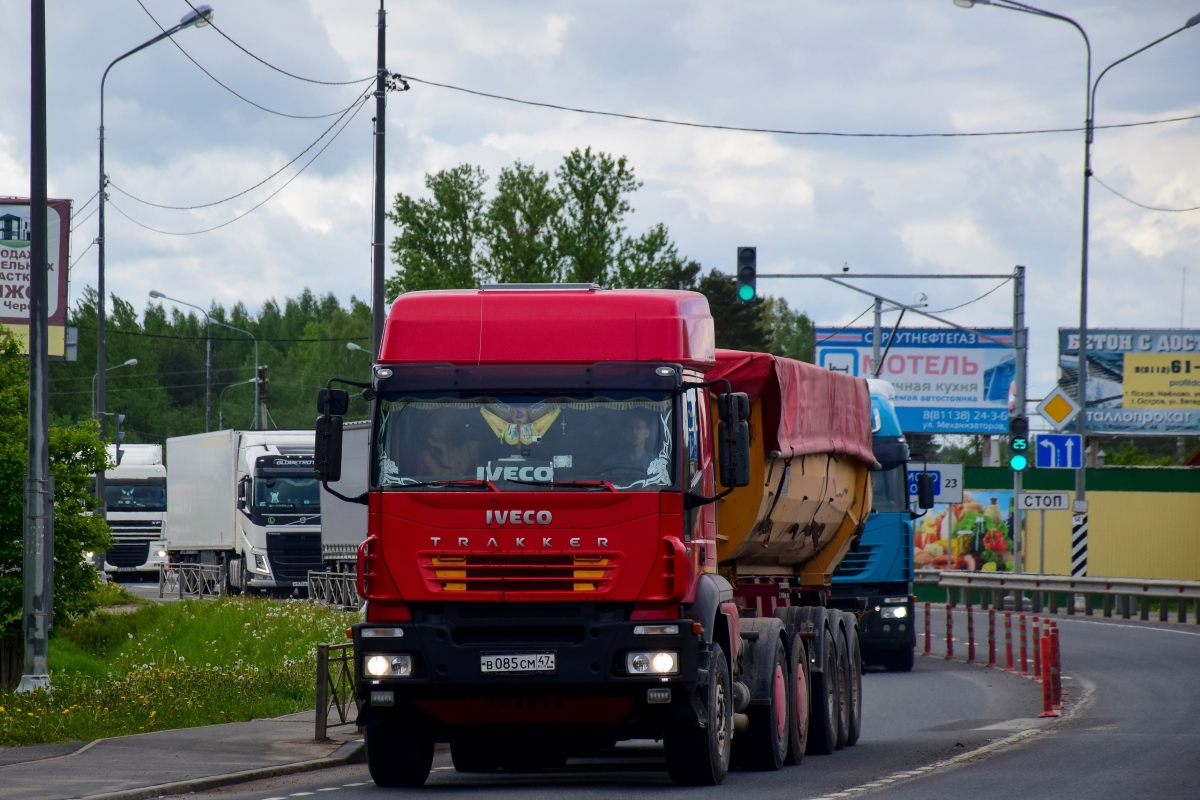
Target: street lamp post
[(221, 401), (130, 363), (207, 355), (199, 17), (1079, 522), (254, 423)]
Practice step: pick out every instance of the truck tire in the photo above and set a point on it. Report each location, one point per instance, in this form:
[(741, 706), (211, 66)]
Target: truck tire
[(765, 743), (700, 756), (473, 754), (398, 755), (824, 718), (799, 701), (853, 682), (843, 671), (899, 660)]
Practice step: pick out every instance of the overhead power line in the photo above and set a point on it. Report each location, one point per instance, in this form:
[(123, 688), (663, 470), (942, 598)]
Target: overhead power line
[(976, 300), (78, 223), (1142, 205), (215, 80), (253, 208), (847, 325), (278, 69), (361, 98), (784, 131)]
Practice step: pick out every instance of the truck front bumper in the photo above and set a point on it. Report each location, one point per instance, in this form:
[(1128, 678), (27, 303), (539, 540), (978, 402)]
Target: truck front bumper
[(589, 683)]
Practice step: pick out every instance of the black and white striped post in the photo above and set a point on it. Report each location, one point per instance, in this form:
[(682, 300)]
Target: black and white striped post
[(1079, 540)]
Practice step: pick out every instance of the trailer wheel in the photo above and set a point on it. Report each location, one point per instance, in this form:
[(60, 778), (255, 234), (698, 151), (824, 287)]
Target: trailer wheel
[(825, 715), (699, 756), (398, 755), (843, 671), (853, 683), (799, 701), (766, 741)]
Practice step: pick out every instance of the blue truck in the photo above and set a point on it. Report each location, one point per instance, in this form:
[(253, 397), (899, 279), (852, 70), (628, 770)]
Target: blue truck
[(875, 579)]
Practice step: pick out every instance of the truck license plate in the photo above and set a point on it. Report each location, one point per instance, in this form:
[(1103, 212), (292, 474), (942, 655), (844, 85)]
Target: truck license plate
[(517, 662)]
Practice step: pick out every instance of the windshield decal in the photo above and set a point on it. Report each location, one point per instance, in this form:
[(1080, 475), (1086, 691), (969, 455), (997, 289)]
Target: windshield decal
[(517, 425)]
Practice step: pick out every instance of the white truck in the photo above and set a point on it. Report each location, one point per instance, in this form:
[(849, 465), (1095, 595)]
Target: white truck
[(247, 500), (344, 524), (135, 495)]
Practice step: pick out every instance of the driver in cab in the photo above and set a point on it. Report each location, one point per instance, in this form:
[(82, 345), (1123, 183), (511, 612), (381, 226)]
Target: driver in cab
[(634, 453)]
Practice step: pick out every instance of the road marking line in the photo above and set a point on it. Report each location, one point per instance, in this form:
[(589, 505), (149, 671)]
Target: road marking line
[(330, 789), (360, 783), (300, 794)]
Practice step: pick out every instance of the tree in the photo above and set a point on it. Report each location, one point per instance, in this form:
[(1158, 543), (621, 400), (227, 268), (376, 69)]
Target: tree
[(594, 190), (76, 454), (789, 333), (739, 325), (521, 236), (441, 239)]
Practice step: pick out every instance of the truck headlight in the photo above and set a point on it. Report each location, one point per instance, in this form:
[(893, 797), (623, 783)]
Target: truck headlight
[(260, 563), (652, 663), (161, 553), (388, 666), (893, 612)]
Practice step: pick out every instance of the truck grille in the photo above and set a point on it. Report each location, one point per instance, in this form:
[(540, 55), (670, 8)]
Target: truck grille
[(125, 554), (858, 562), (593, 573), (292, 555)]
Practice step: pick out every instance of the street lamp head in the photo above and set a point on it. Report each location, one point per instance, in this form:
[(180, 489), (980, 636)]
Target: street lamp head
[(156, 293), (967, 3), (353, 346), (1194, 20), (130, 363), (199, 17)]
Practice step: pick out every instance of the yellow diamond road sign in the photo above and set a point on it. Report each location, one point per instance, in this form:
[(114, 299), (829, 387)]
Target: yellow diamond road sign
[(1058, 408)]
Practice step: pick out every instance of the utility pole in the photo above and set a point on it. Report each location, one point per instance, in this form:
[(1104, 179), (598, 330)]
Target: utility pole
[(377, 298), (875, 343), (262, 395), (37, 569), (1020, 345)]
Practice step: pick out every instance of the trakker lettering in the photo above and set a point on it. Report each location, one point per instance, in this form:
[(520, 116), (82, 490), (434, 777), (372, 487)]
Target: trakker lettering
[(519, 541)]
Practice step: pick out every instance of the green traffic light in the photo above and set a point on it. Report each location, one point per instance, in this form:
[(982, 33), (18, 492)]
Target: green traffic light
[(745, 293), (1018, 462)]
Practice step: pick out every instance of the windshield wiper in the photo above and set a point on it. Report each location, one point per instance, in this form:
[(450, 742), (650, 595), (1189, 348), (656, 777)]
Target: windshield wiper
[(580, 484), (459, 482)]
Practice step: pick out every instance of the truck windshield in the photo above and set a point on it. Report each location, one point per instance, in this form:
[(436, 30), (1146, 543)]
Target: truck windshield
[(135, 495), (283, 494), (526, 443), (890, 487)]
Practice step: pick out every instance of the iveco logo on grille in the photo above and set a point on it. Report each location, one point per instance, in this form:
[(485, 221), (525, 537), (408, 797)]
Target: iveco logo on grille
[(518, 517)]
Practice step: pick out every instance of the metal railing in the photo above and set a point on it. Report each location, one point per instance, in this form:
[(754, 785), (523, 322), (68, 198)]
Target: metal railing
[(191, 580), (336, 589), (335, 686), (1127, 597)]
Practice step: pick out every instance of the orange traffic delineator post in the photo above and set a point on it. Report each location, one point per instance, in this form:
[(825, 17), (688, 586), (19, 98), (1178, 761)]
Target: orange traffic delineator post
[(1056, 667), (991, 637), (970, 635), (1047, 685), (928, 632), (1024, 651), (1008, 650), (949, 631), (1037, 648)]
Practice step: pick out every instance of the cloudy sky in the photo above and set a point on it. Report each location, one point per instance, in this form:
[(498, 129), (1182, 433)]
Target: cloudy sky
[(946, 206)]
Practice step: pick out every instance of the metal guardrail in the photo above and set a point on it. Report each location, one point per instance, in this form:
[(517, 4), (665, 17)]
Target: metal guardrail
[(191, 580), (1125, 596), (336, 589), (335, 686)]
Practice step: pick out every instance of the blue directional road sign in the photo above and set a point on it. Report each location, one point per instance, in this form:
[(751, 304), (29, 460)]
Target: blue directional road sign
[(947, 482), (1058, 451)]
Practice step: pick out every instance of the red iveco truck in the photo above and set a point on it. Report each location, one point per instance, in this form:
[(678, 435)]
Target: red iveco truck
[(588, 525)]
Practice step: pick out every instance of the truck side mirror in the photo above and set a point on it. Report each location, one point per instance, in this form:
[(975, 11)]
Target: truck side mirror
[(925, 490), (733, 439), (335, 402), (241, 493), (328, 451)]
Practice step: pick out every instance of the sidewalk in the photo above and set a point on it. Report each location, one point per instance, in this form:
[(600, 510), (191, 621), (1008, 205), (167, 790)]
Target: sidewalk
[(131, 767)]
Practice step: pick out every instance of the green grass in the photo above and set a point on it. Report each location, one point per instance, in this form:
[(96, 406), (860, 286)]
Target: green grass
[(175, 665)]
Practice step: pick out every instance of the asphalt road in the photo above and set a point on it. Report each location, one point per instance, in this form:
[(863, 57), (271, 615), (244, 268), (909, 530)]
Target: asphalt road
[(936, 712)]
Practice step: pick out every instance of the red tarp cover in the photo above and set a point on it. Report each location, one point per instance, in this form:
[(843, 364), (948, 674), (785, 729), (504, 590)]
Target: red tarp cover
[(807, 409)]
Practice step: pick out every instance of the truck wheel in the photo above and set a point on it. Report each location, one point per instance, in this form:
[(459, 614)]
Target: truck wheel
[(853, 684), (799, 701), (843, 671), (471, 754), (766, 741), (700, 756), (899, 660), (397, 755), (825, 717)]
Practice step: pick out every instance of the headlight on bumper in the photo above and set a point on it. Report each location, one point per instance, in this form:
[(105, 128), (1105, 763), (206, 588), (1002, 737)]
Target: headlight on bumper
[(893, 612), (652, 663), (388, 666)]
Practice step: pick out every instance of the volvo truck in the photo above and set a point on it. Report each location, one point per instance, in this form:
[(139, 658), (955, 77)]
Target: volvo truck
[(586, 524), (247, 501), (135, 499)]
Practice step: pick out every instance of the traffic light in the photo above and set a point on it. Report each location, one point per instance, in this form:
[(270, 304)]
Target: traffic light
[(119, 436), (1018, 443), (747, 273), (262, 388)]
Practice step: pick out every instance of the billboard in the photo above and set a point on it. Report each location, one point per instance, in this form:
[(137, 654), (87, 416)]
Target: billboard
[(947, 381), (974, 535), (1140, 381), (14, 269)]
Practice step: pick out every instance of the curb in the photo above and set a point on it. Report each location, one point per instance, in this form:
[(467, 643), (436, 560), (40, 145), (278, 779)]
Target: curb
[(348, 753)]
